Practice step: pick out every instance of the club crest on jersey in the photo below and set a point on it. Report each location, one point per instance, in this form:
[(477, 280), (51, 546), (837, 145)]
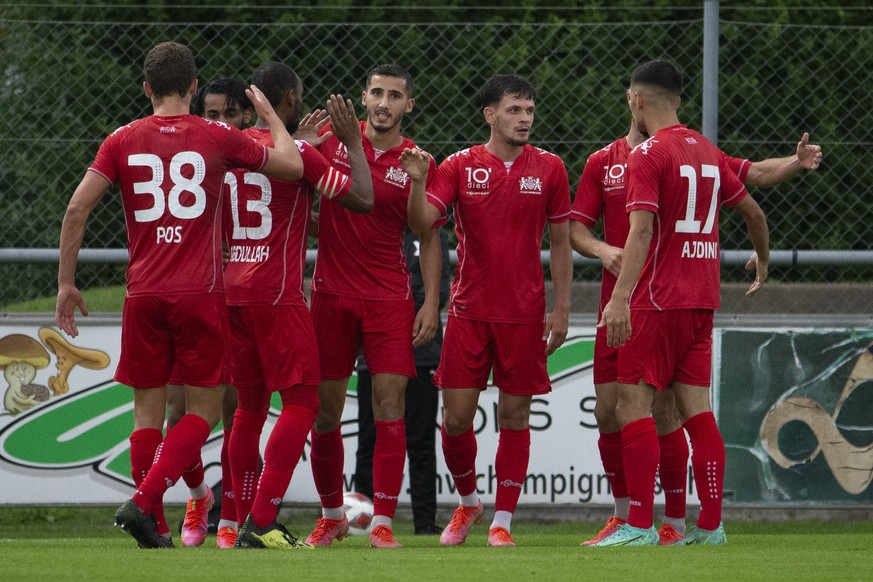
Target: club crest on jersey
[(646, 146), (396, 176), (530, 185), (218, 123)]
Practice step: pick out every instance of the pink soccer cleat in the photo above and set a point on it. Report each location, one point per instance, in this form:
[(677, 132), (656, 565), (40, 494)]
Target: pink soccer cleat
[(197, 520), (459, 526), (498, 537), (383, 538), (327, 530)]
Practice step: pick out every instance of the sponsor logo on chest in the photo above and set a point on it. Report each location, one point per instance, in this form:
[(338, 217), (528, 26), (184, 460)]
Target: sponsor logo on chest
[(613, 176), (341, 156), (478, 181)]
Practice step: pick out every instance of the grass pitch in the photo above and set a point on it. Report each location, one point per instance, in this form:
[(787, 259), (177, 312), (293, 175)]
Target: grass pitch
[(81, 544)]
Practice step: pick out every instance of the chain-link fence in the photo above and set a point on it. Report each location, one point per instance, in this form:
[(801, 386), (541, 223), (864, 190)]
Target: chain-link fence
[(66, 84)]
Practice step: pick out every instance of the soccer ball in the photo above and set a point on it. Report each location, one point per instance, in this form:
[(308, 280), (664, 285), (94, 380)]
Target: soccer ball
[(359, 512)]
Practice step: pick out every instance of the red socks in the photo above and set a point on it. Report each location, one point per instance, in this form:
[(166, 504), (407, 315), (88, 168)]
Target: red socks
[(283, 451), (460, 455), (640, 453), (326, 457), (673, 472), (228, 507), (244, 464), (609, 444), (143, 444), (194, 475), (707, 459), (510, 466), (389, 458), (180, 449)]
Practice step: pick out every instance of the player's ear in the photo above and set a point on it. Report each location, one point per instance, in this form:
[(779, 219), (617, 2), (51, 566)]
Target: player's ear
[(192, 90), (364, 98), (410, 103), (488, 113)]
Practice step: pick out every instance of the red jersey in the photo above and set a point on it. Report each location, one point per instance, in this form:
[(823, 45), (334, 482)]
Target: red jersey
[(170, 171), (361, 255), (602, 194), (500, 216), (266, 227), (684, 179)]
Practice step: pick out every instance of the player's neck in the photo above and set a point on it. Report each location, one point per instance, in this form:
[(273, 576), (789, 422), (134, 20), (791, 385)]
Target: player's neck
[(171, 105), (503, 150), (383, 140), (658, 122)]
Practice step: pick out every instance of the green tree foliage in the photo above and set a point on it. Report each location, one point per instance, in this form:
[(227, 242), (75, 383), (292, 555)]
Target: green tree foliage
[(71, 74)]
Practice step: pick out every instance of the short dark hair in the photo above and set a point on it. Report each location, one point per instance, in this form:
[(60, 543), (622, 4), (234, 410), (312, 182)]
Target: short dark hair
[(392, 70), (274, 80), (234, 92), (169, 69), (499, 85), (661, 74)]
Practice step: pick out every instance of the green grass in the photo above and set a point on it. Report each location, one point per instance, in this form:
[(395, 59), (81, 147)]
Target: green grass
[(97, 300), (79, 544)]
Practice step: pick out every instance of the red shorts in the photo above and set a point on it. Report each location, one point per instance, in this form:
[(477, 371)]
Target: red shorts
[(176, 374), (342, 324), (516, 351), (605, 359), (160, 332), (272, 346), (668, 346)]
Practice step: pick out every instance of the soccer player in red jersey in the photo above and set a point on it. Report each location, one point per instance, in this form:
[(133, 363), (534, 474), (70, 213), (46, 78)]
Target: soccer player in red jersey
[(273, 346), (221, 100), (361, 295), (504, 193), (169, 168), (667, 290), (601, 195)]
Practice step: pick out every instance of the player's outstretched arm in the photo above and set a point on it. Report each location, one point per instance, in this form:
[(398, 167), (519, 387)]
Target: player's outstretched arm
[(770, 172), (421, 213), (347, 129), (586, 244), (561, 266), (427, 319), (89, 192), (616, 314), (759, 232), (284, 161)]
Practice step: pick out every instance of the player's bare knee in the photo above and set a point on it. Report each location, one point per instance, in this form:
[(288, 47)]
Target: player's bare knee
[(604, 414)]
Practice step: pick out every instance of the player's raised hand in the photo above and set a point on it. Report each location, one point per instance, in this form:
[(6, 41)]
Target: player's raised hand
[(761, 268), (310, 125), (808, 154), (616, 320), (416, 163), (65, 312), (343, 121), (262, 105)]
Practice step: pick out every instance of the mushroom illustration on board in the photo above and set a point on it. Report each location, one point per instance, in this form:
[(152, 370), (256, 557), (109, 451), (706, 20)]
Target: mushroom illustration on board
[(69, 356), (20, 358)]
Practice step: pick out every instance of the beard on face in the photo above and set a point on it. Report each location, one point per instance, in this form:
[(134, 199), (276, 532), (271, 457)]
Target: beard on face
[(386, 125)]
